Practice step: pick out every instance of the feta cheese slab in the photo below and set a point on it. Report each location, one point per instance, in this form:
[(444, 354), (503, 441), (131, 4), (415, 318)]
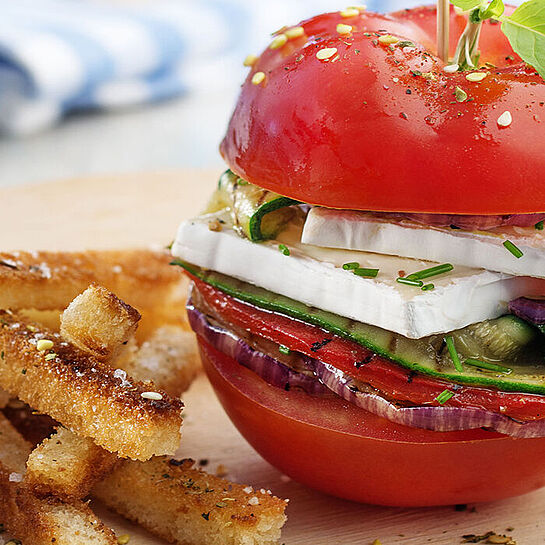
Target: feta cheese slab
[(315, 276), (480, 249)]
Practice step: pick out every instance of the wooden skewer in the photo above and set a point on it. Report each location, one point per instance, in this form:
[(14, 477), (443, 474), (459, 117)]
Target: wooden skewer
[(443, 19)]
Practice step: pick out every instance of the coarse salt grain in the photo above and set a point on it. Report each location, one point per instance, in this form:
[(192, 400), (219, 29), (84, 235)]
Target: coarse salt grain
[(15, 478), (247, 490), (253, 501)]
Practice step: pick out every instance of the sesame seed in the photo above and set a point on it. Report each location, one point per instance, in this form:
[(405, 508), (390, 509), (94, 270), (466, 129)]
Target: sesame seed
[(44, 344), (505, 119), (388, 39), (156, 396), (295, 32), (326, 53), (258, 78), (349, 12), (476, 76), (253, 501), (123, 540), (250, 60), (451, 68), (279, 41), (344, 29)]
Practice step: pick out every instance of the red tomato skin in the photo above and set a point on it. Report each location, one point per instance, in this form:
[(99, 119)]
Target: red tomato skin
[(344, 133), (363, 458)]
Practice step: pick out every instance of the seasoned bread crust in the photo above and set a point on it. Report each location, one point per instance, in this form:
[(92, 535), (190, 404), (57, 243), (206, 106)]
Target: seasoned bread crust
[(94, 402), (187, 506)]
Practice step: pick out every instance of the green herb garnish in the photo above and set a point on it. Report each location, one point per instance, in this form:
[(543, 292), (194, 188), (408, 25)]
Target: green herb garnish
[(284, 349), (351, 266), (453, 354), (427, 287), (539, 225), (370, 273), (409, 282), (486, 365), (432, 271), (444, 396), (284, 249), (524, 28), (517, 252)]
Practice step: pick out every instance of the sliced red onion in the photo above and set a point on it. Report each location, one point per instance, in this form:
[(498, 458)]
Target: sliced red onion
[(468, 223), (531, 310), (268, 368), (427, 417)]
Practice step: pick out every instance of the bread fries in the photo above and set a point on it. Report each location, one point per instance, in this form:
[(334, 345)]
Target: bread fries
[(112, 394), (67, 465), (58, 379), (100, 323), (41, 521), (186, 506), (169, 357), (50, 280)]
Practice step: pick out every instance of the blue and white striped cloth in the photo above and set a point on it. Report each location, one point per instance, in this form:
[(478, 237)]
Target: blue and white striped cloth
[(58, 56)]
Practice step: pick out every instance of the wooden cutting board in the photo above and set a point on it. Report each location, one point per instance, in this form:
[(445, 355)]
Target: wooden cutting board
[(138, 210)]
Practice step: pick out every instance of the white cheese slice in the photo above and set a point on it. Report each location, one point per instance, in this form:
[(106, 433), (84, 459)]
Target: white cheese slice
[(481, 249), (315, 277)]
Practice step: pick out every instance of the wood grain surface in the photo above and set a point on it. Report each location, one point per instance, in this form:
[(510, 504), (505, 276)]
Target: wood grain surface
[(141, 210)]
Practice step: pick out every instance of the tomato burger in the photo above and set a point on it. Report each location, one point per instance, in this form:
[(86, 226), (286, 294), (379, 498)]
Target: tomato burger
[(367, 279)]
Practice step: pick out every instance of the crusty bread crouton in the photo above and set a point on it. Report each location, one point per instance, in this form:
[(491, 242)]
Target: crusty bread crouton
[(66, 465), (186, 506), (37, 521), (169, 358), (100, 323), (56, 378), (50, 280)]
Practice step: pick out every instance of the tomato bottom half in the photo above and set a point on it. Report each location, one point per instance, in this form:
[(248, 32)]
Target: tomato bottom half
[(342, 450)]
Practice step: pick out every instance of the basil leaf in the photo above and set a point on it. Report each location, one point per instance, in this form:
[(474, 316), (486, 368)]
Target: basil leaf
[(467, 5), (493, 11), (525, 30)]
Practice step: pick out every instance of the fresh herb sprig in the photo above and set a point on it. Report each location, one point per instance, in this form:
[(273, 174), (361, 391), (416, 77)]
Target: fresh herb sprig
[(524, 28)]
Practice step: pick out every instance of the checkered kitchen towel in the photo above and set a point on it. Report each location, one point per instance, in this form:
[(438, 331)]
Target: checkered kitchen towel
[(57, 56)]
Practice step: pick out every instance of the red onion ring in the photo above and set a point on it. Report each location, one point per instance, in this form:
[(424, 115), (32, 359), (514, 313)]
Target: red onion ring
[(269, 369), (434, 418), (531, 310)]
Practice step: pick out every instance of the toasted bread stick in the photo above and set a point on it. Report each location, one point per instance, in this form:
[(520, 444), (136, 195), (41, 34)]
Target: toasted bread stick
[(50, 280), (37, 521), (98, 322), (186, 506), (57, 379), (66, 465)]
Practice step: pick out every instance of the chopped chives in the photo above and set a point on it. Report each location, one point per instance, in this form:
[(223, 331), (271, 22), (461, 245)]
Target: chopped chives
[(409, 282), (427, 287), (486, 365), (517, 252), (453, 354), (371, 273), (283, 349), (539, 225), (432, 271), (351, 266), (284, 249), (444, 396)]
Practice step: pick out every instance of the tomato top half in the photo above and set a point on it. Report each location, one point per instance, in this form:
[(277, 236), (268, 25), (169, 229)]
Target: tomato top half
[(381, 127)]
